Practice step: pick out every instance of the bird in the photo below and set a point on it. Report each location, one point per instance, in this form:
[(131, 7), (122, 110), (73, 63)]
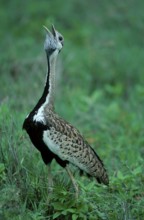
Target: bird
[(54, 137)]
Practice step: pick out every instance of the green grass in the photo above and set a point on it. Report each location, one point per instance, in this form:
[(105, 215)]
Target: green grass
[(100, 91)]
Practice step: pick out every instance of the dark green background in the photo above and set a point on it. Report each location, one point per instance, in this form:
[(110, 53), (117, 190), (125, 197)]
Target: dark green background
[(100, 90)]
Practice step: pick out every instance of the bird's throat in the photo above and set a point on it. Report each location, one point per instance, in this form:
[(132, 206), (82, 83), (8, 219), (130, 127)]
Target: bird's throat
[(47, 98)]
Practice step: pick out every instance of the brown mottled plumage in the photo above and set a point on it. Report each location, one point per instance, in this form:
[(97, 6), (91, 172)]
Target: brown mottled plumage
[(74, 148), (54, 137)]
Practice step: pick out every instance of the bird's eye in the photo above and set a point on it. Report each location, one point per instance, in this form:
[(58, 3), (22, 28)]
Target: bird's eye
[(60, 38)]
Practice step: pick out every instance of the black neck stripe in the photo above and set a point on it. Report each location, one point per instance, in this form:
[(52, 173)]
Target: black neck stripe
[(45, 92)]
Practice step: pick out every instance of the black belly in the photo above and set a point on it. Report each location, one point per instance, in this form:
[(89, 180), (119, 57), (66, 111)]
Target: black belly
[(35, 132)]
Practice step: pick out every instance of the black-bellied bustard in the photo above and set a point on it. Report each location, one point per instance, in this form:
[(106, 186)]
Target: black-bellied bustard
[(54, 137)]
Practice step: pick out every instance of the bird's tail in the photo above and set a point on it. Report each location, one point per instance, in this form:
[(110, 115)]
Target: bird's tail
[(97, 169), (103, 178)]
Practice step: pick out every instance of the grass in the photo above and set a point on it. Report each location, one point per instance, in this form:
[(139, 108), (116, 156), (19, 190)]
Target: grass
[(100, 91)]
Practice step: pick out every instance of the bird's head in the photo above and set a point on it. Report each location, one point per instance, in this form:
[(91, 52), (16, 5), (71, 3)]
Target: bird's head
[(53, 42)]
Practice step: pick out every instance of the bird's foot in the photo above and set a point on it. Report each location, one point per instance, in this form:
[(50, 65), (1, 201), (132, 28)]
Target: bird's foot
[(76, 191), (73, 182), (50, 185)]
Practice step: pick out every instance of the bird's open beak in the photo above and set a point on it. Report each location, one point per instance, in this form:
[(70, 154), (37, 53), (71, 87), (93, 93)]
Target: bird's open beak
[(53, 30), (50, 33), (47, 30)]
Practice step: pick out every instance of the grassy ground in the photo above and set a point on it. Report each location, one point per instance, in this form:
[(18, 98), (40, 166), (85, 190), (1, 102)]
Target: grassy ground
[(100, 91)]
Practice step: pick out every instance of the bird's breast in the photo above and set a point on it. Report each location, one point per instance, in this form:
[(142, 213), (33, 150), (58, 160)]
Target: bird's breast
[(55, 141)]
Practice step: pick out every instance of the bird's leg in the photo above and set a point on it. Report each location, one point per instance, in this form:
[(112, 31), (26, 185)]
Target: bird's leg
[(50, 180), (73, 181)]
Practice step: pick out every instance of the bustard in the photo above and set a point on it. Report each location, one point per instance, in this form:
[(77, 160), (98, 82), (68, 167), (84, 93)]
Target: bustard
[(54, 137)]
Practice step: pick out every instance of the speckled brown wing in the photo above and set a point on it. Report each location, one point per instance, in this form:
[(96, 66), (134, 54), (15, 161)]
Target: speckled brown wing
[(68, 144)]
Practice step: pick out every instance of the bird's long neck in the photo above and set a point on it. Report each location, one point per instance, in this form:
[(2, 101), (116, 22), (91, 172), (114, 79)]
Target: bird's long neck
[(49, 89), (47, 98)]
